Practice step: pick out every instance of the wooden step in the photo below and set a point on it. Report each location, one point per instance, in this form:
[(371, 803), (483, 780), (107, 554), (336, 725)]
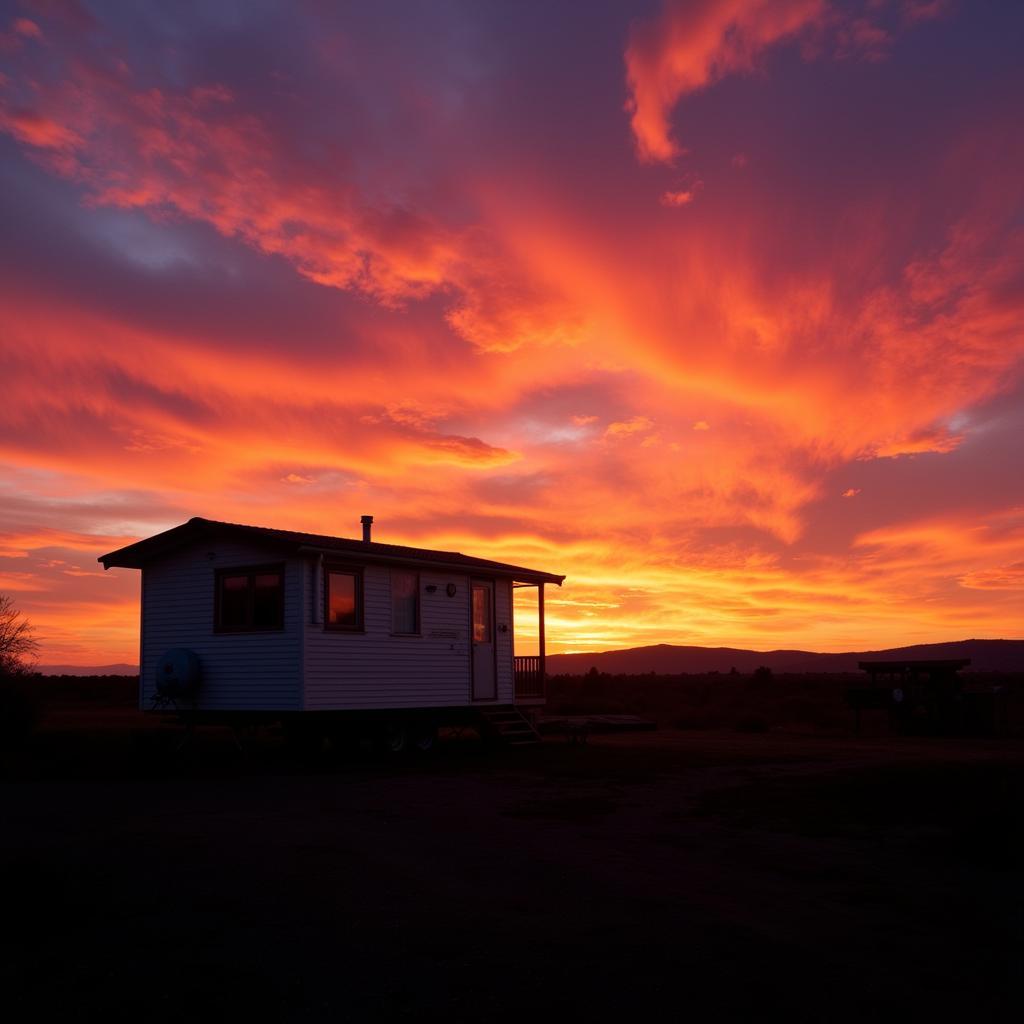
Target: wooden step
[(510, 726)]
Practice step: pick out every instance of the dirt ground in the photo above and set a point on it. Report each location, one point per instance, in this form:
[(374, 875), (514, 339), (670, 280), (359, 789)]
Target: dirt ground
[(693, 873)]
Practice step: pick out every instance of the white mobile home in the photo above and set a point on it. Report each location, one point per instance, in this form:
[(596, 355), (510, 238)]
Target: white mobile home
[(248, 619)]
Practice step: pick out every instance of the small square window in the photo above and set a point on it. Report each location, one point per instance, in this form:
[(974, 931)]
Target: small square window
[(249, 600)]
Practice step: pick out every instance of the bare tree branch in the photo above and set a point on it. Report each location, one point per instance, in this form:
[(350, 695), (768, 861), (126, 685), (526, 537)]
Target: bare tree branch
[(18, 645)]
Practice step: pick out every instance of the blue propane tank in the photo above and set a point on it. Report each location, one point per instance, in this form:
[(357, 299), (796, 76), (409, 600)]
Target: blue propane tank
[(178, 673)]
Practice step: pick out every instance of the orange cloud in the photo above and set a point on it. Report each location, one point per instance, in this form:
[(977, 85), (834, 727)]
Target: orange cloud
[(689, 46), (623, 428), (921, 441), (1002, 577)]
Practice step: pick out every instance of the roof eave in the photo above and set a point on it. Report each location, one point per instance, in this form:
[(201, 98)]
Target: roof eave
[(137, 555), (511, 571), (142, 552)]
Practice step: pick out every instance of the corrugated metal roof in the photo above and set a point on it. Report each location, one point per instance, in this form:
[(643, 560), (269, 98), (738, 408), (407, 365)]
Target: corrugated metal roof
[(136, 555)]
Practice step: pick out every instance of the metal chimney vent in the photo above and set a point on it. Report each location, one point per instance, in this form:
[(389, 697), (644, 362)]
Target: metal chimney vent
[(367, 522)]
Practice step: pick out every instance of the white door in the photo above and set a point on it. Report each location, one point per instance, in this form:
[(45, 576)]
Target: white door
[(485, 685)]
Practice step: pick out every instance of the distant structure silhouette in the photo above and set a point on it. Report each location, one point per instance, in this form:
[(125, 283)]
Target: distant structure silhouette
[(920, 695)]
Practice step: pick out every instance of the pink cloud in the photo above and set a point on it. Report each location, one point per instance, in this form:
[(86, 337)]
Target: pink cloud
[(37, 130), (27, 28), (682, 197), (925, 10)]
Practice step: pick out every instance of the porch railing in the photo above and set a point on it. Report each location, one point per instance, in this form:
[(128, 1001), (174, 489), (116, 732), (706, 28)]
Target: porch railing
[(529, 680)]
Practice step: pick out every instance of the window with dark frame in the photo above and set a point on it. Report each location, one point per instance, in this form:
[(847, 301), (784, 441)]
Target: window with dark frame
[(343, 598), (250, 600), (405, 601)]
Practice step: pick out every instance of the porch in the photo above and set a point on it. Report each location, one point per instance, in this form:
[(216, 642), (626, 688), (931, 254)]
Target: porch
[(529, 679), (529, 669)]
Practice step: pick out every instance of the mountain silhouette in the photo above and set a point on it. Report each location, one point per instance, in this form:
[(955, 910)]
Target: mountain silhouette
[(670, 659), (120, 669)]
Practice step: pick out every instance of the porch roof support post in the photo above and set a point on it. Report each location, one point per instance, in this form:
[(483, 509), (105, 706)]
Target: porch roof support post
[(540, 635)]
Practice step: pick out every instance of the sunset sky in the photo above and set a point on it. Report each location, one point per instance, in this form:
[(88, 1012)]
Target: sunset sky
[(716, 307)]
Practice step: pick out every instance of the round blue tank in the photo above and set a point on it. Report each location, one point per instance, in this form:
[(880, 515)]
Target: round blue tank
[(178, 673)]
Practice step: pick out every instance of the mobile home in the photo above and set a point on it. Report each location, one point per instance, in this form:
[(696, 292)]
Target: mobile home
[(244, 620)]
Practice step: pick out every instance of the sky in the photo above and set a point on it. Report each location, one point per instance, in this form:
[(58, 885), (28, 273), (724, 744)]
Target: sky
[(714, 306)]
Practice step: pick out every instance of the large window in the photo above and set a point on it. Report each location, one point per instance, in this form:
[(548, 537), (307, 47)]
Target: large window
[(250, 600), (343, 596), (405, 601)]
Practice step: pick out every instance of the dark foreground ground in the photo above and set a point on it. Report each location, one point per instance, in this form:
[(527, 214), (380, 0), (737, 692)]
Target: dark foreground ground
[(740, 876)]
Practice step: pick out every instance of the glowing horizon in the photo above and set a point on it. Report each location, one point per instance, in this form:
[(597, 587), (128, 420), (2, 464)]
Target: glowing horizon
[(715, 307)]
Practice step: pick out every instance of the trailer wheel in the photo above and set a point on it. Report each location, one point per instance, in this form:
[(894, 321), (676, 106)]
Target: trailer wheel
[(394, 738), (424, 739)]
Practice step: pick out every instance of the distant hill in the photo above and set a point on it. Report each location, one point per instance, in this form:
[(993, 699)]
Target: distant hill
[(120, 669), (669, 659)]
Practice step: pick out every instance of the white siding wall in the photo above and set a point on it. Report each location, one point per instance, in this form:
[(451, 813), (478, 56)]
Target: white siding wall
[(240, 670), (376, 669)]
